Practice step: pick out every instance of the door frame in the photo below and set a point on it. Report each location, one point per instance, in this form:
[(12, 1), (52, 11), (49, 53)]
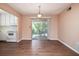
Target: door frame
[(47, 26)]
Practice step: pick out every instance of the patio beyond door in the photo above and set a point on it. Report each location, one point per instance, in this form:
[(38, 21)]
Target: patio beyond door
[(40, 29)]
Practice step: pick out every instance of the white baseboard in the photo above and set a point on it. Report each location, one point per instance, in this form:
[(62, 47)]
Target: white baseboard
[(18, 40), (53, 38), (26, 39), (69, 46), (31, 38)]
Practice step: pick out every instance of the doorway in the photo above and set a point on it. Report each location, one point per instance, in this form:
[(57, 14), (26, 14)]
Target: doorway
[(39, 29)]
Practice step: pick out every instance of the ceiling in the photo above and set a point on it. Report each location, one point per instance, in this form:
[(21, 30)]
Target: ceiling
[(47, 9)]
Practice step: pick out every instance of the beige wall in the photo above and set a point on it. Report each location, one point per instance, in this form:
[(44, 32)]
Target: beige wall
[(53, 29), (7, 8), (69, 27), (27, 28)]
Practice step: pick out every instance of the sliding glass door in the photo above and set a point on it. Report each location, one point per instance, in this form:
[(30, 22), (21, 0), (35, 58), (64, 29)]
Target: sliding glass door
[(39, 29)]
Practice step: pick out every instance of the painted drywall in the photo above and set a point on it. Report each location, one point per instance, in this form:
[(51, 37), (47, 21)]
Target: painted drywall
[(7, 8), (68, 26), (52, 28), (27, 28)]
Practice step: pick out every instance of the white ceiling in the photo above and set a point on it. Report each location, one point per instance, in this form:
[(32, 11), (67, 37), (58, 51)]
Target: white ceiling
[(31, 9)]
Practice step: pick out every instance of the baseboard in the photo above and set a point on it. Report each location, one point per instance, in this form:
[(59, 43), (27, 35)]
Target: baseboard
[(69, 46), (18, 40), (53, 38), (26, 39)]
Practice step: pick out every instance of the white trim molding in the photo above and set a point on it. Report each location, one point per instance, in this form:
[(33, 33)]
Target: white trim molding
[(69, 46), (26, 38), (18, 40), (53, 38)]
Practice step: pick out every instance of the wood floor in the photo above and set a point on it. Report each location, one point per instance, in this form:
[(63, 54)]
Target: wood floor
[(35, 48)]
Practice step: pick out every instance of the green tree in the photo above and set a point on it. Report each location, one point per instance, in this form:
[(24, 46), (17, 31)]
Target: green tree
[(40, 28)]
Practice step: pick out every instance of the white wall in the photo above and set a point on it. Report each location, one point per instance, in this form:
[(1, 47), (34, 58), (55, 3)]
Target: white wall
[(68, 23)]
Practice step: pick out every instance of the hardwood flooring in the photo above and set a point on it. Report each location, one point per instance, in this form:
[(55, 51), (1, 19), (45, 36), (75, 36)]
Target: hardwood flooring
[(35, 48)]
